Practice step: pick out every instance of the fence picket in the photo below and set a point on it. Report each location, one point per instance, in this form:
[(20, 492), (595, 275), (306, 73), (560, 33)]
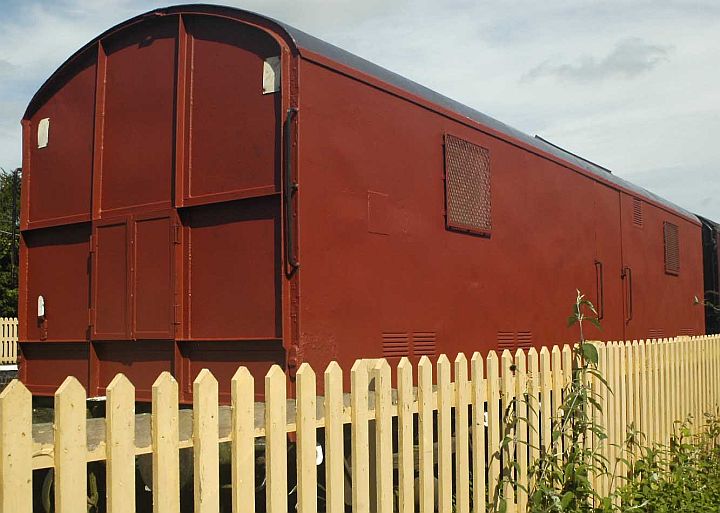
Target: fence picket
[(165, 435), (70, 448), (120, 445), (478, 434), (462, 465), (305, 422), (242, 391), (359, 452), (546, 411), (406, 452), (444, 435), (334, 445), (604, 400), (205, 443), (16, 449), (521, 429), (557, 395), (533, 408), (508, 413), (383, 433), (494, 426), (276, 440)]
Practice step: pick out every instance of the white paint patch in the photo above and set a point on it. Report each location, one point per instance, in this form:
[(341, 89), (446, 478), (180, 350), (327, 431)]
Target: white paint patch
[(43, 133), (41, 306), (271, 75)]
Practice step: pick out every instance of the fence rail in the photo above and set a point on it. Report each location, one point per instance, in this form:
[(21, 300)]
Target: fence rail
[(438, 435), (8, 340)]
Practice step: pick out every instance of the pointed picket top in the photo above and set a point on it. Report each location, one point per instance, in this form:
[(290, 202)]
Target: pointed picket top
[(70, 447), (119, 386), (404, 365), (544, 350), (15, 391), (120, 446), (241, 380), (333, 368), (506, 355), (461, 359), (16, 448), (204, 380), (360, 366), (492, 355), (520, 356)]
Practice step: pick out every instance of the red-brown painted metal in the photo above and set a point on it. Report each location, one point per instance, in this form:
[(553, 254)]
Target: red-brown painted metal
[(173, 241)]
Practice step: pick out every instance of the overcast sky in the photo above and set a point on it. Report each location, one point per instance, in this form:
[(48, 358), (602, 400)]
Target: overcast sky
[(632, 85)]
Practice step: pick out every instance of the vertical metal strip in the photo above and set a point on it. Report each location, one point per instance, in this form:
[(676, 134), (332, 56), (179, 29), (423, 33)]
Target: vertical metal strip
[(98, 135), (181, 178)]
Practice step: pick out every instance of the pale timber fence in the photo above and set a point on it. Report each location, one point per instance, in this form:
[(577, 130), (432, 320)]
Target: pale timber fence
[(443, 420), (8, 340)]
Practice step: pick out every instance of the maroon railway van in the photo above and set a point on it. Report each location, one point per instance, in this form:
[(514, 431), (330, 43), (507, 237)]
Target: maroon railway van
[(206, 187)]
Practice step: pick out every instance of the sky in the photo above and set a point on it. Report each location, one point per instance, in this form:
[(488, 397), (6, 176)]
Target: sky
[(631, 85)]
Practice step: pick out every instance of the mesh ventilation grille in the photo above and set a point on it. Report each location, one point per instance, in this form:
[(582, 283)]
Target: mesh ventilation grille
[(637, 212), (672, 248), (467, 186)]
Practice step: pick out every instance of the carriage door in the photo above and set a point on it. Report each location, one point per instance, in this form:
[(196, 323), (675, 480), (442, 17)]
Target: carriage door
[(133, 277)]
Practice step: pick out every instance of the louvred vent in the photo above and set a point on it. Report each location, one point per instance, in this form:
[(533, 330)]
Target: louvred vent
[(637, 212), (467, 186), (672, 248)]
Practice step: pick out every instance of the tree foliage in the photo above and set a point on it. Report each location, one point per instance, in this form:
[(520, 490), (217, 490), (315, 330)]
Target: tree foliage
[(9, 236)]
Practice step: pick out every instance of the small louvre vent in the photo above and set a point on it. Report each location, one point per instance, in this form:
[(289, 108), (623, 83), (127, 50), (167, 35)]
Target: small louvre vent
[(672, 248), (637, 212), (514, 340), (467, 186), (506, 340), (655, 334), (424, 343), (686, 332), (395, 345), (524, 340)]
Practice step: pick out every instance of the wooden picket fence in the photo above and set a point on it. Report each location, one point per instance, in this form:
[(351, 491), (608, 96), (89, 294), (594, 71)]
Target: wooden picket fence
[(437, 435), (8, 340)]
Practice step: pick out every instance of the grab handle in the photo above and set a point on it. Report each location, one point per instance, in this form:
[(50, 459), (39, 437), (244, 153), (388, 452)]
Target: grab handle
[(600, 287), (627, 275), (290, 190)]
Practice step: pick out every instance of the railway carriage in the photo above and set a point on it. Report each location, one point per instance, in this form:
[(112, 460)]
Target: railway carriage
[(208, 187)]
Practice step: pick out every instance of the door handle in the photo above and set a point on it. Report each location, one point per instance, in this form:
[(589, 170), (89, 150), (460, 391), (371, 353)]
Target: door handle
[(627, 276), (600, 301)]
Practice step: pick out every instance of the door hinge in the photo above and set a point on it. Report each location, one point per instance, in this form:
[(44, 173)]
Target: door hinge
[(176, 314), (91, 317), (93, 247)]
